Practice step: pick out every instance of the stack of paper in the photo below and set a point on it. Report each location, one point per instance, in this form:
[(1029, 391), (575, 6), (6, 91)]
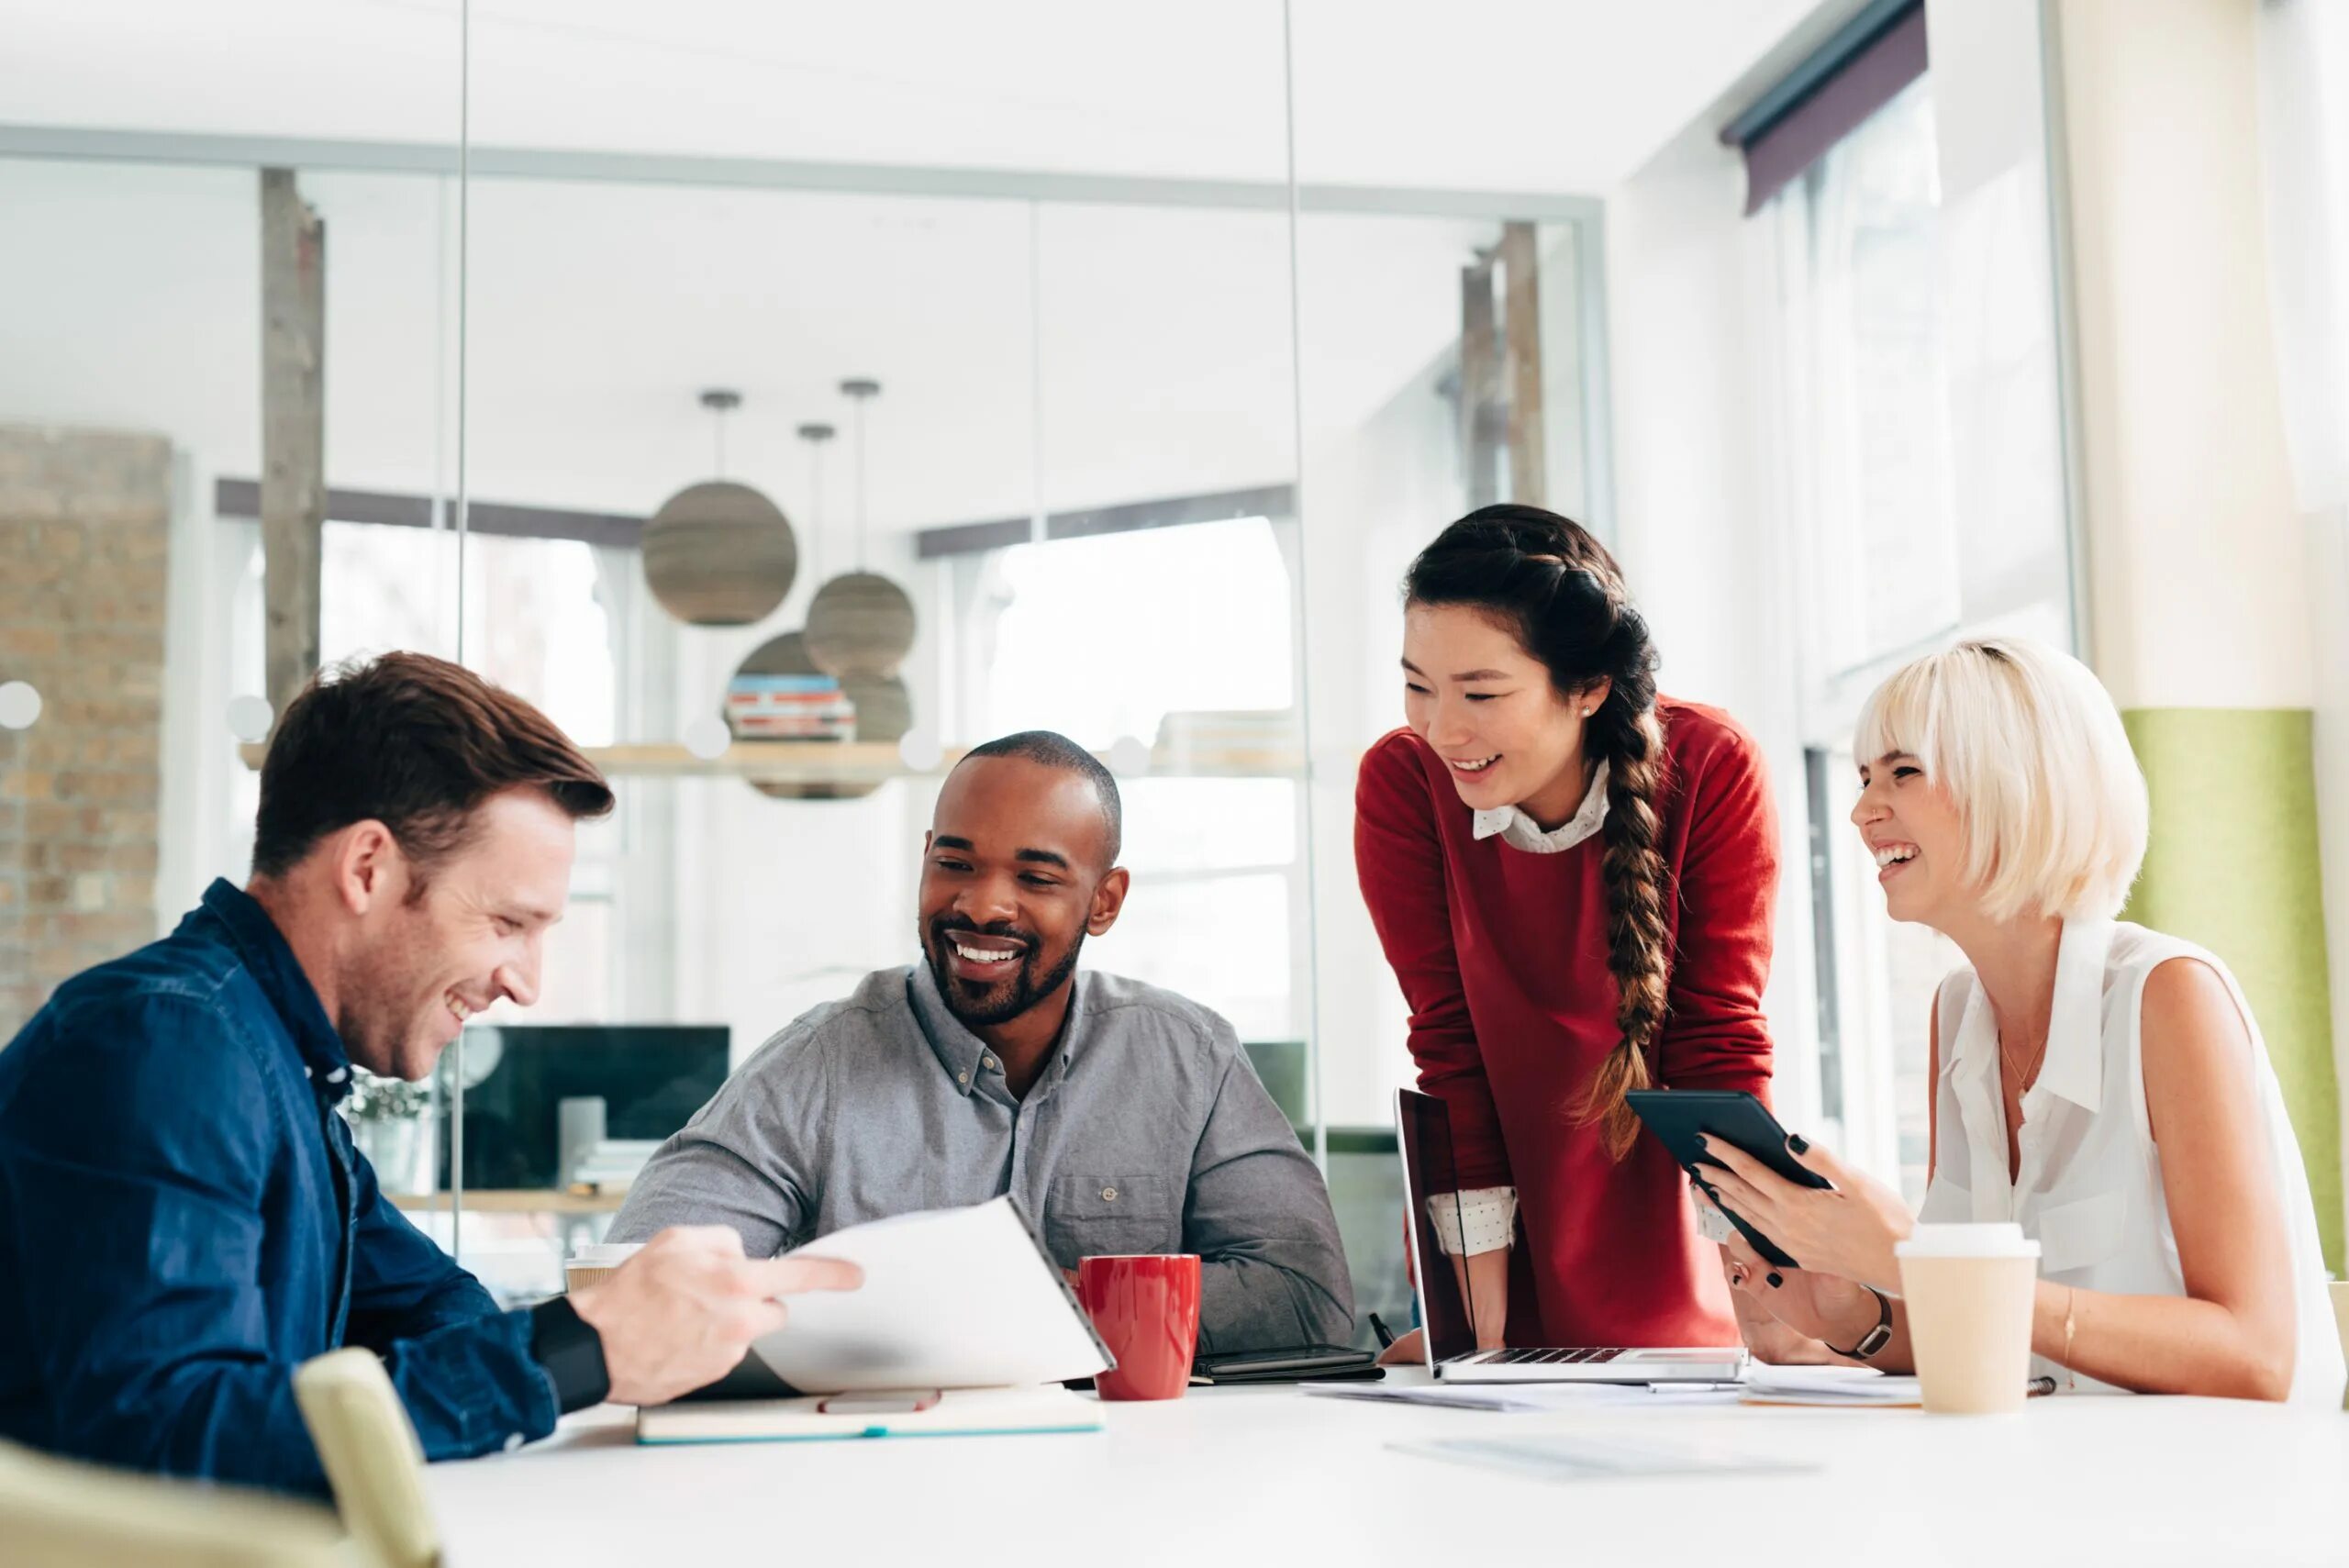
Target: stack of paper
[(1836, 1385)]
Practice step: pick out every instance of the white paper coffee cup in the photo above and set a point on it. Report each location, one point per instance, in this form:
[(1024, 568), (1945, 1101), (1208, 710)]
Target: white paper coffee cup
[(1968, 1291), (596, 1260)]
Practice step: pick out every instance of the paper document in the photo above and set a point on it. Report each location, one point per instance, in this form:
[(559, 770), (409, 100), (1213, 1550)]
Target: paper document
[(1602, 1459), (952, 1298), (1837, 1386)]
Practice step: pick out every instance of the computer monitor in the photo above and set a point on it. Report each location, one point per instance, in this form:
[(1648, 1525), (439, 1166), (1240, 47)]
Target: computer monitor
[(1280, 1067), (650, 1077)]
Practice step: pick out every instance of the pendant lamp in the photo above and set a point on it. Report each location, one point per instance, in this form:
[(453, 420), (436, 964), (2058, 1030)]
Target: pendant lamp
[(719, 553), (861, 624)]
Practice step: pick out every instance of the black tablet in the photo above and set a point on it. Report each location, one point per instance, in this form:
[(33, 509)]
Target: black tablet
[(1678, 1116), (1300, 1363)]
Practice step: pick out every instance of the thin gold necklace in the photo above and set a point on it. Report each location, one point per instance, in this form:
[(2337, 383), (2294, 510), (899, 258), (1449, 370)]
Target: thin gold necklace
[(2022, 1075)]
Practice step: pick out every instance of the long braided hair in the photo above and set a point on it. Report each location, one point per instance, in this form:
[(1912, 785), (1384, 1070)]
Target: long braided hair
[(1559, 590)]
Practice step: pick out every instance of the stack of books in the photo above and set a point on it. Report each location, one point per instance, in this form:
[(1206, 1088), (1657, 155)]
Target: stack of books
[(611, 1165), (1264, 740), (790, 707)]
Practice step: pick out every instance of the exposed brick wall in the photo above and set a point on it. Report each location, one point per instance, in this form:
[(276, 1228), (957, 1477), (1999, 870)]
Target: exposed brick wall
[(84, 543)]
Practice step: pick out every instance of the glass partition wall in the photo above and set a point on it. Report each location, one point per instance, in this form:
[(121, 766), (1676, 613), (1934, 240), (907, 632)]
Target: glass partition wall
[(782, 448)]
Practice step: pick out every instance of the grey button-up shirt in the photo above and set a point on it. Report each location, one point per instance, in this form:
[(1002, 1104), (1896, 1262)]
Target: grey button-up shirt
[(1147, 1132)]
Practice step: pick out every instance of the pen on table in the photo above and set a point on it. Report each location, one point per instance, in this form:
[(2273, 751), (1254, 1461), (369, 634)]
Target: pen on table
[(1386, 1337)]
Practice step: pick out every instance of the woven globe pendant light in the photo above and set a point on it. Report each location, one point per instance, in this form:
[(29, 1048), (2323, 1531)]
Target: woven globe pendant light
[(860, 624), (885, 708), (719, 553)]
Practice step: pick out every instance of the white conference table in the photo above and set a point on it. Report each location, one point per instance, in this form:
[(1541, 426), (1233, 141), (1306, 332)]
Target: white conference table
[(1271, 1475)]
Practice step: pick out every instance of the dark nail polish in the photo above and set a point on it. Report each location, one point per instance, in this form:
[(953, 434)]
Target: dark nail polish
[(1776, 1279), (1702, 1142), (1795, 1143)]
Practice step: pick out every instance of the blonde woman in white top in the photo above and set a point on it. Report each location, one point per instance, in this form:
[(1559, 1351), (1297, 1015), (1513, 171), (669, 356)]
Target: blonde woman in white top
[(2101, 1085)]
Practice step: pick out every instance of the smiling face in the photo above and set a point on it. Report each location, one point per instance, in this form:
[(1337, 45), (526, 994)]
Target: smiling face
[(1014, 874), (419, 963), (1912, 829), (1491, 712)]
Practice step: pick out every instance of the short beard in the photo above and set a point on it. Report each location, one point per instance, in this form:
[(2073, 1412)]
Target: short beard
[(1024, 992)]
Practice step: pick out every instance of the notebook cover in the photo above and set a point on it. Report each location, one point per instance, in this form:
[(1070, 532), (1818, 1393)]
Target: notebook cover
[(960, 1412)]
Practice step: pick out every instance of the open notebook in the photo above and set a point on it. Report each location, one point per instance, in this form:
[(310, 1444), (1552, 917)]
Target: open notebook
[(960, 1412)]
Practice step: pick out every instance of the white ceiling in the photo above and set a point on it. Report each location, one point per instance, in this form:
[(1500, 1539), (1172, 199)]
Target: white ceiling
[(1539, 96)]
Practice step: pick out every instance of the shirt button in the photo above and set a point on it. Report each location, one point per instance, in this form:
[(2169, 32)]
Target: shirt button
[(961, 1077), (1108, 1195), (987, 1062), (338, 1075)]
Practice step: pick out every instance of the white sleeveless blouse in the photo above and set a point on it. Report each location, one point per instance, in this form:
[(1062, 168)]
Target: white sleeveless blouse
[(2088, 1186)]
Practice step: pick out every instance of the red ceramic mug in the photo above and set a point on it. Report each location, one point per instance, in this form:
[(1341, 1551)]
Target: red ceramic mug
[(1146, 1309)]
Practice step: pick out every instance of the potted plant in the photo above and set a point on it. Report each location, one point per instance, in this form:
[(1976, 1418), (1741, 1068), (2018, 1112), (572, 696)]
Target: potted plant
[(391, 1123)]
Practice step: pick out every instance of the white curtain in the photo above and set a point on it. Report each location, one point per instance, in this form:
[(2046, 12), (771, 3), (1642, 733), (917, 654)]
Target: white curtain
[(1865, 380), (2304, 137), (2304, 141)]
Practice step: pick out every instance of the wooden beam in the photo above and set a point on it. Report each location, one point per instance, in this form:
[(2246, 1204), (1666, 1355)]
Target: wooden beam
[(293, 431), (1522, 281), (1480, 384)]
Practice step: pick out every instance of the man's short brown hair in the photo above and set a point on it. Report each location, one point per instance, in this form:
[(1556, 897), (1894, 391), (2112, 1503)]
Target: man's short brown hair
[(415, 744)]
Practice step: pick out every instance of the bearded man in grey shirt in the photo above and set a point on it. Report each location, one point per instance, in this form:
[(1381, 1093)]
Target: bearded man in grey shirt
[(1124, 1117)]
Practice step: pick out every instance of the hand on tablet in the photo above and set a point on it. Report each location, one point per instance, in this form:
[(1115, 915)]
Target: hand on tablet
[(1848, 1228)]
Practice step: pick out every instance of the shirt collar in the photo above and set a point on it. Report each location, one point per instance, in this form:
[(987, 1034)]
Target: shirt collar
[(280, 975), (963, 1054), (2075, 1065), (1526, 833)]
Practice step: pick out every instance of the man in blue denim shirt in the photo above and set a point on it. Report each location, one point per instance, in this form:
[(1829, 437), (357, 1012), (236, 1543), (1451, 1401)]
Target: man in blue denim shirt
[(183, 1217)]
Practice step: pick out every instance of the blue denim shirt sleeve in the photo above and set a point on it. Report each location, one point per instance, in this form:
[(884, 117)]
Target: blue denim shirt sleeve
[(138, 1160), (402, 1284)]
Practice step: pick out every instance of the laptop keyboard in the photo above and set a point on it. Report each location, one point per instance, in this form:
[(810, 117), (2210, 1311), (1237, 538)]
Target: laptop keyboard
[(1550, 1358)]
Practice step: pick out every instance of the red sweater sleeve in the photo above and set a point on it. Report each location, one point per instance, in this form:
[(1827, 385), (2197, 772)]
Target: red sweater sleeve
[(1714, 1036), (1399, 860)]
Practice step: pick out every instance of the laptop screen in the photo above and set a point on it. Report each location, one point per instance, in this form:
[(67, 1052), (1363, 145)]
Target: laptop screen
[(1424, 1129)]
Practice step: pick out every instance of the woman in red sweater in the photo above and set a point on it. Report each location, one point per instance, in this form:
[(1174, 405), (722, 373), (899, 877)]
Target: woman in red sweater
[(1572, 878)]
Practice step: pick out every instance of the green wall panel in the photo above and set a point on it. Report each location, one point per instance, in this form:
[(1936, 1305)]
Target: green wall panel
[(2233, 866)]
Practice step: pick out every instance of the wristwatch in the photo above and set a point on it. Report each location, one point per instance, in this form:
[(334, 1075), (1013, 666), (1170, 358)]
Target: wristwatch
[(572, 1353), (1877, 1338)]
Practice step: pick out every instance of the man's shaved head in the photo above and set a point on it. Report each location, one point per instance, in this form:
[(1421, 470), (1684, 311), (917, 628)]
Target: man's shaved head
[(1057, 750)]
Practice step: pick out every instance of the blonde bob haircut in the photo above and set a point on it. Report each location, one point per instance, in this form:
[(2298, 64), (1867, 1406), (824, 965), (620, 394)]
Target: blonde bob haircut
[(2032, 751)]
